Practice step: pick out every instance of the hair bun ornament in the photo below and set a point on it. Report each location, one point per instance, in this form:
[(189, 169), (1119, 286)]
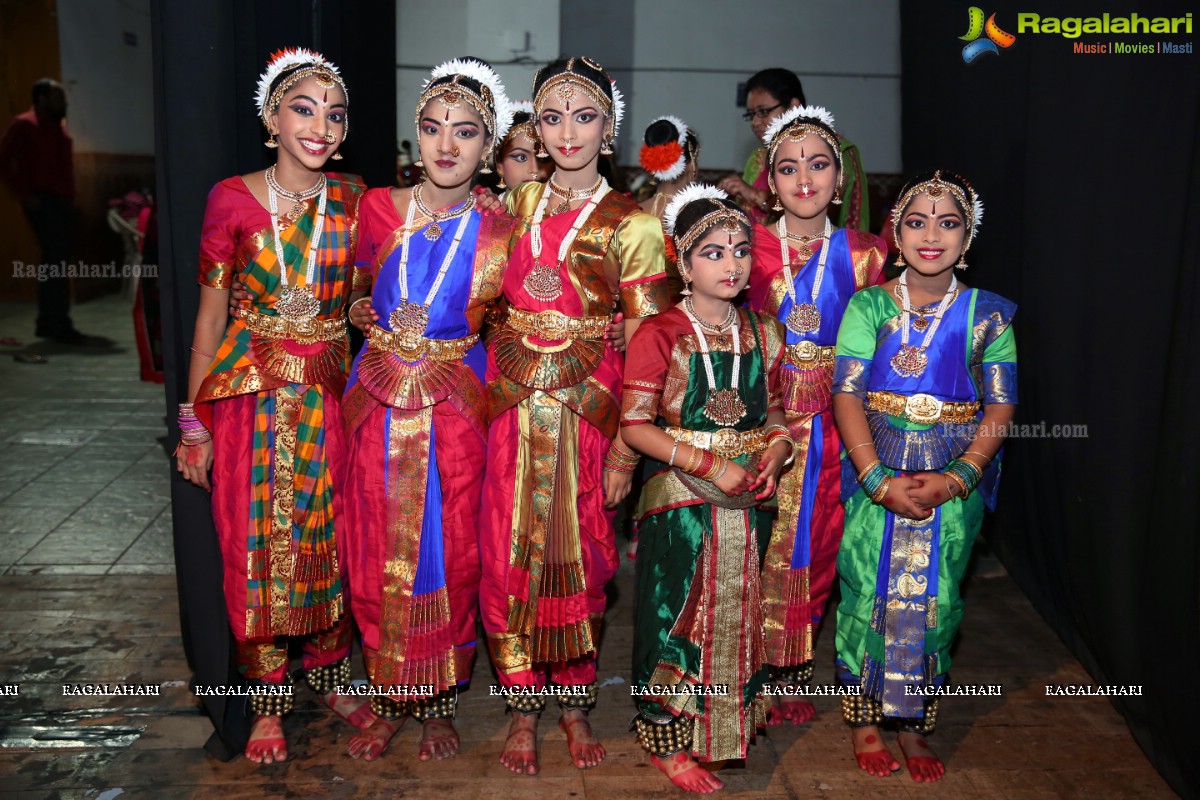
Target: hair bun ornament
[(283, 60), (818, 113), (666, 161), (689, 194), (489, 81)]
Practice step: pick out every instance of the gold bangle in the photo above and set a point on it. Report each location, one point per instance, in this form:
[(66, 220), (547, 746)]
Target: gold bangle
[(976, 452), (852, 449), (867, 469), (957, 479), (693, 460), (881, 492)]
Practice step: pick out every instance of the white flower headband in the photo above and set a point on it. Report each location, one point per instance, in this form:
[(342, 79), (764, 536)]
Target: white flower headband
[(729, 217), (290, 58), (491, 102)]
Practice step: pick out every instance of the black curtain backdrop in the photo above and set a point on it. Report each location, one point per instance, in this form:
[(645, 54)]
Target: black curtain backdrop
[(207, 59), (1089, 168)]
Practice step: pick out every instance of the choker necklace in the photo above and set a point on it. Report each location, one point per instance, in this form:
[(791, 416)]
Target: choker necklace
[(804, 317), (923, 313), (724, 406), (434, 231), (411, 319), (571, 195), (689, 308), (544, 282), (296, 302), (299, 199), (910, 361)]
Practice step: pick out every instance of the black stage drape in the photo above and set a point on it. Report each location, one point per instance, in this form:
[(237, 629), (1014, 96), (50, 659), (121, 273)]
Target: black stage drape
[(1089, 167), (207, 58)]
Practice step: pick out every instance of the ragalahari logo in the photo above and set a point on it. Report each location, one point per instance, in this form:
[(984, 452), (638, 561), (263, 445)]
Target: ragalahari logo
[(976, 27)]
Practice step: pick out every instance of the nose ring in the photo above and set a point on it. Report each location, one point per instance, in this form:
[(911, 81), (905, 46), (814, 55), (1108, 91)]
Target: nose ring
[(454, 151), (329, 137)]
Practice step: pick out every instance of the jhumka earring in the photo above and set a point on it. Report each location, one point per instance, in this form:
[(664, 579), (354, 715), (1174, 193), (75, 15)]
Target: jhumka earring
[(899, 262), (541, 150), (485, 169), (336, 156), (837, 197), (606, 148), (271, 142), (778, 206), (418, 163), (501, 184), (686, 291), (962, 262)]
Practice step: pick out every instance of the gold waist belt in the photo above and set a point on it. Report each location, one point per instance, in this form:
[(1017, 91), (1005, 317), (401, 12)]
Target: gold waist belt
[(807, 355), (308, 330), (924, 409), (555, 326), (726, 442), (413, 346)]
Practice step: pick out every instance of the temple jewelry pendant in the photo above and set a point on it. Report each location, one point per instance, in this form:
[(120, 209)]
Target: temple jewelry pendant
[(297, 210), (920, 324), (725, 407), (433, 232), (409, 318), (297, 303), (804, 250), (803, 318), (910, 361), (562, 207), (544, 283)]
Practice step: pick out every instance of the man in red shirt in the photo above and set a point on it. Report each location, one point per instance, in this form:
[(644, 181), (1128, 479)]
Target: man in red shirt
[(35, 164)]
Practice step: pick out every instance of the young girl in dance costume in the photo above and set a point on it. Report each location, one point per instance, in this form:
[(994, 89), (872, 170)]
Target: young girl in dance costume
[(925, 386)]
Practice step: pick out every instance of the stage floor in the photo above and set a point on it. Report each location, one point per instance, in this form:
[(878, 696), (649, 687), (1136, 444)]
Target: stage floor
[(87, 595)]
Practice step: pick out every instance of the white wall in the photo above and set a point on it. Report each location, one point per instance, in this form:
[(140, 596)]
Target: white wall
[(847, 55), (689, 56), (110, 84), (429, 32)]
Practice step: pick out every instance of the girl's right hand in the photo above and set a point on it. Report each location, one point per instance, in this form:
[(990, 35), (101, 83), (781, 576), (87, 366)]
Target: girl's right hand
[(362, 314), (897, 499), (194, 461), (735, 480), (238, 296)]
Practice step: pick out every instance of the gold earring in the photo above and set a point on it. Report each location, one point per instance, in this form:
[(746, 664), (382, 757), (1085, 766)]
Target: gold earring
[(962, 262), (778, 206), (541, 151), (501, 184), (686, 291), (271, 142), (485, 169), (418, 163), (899, 262), (336, 156), (606, 148)]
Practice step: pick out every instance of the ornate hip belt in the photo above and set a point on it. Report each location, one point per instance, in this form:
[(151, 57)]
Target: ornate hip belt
[(726, 442), (556, 326), (413, 346), (308, 330), (923, 409), (808, 355)]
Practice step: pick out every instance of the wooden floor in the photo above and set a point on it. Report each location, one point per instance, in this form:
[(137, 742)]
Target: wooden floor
[(88, 596)]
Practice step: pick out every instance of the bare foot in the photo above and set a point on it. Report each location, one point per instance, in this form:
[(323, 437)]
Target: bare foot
[(684, 772), (631, 550), (923, 764), (370, 744), (586, 750), (267, 744), (520, 748), (439, 739), (871, 753), (355, 710), (785, 709)]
